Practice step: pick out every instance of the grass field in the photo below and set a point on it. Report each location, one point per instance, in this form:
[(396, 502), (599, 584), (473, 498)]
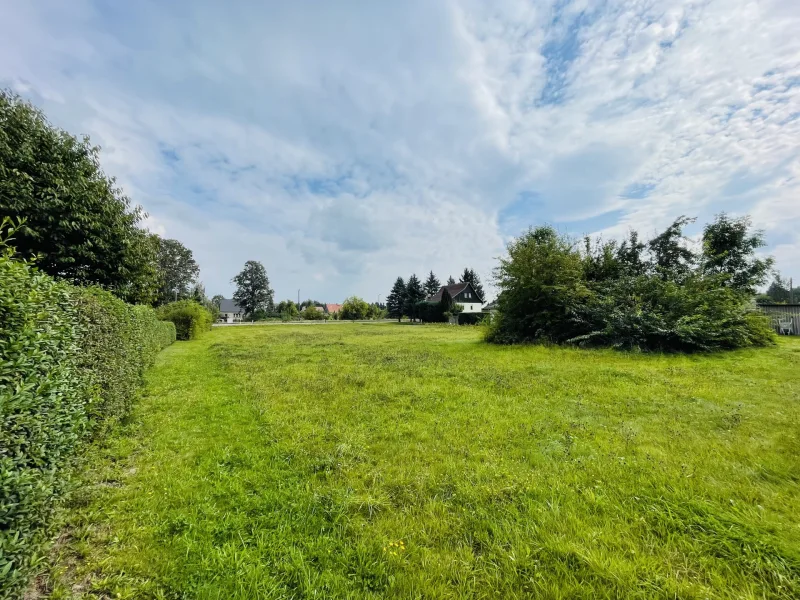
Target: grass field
[(388, 461)]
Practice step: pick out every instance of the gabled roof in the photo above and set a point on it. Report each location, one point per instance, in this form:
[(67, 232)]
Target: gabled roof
[(332, 308), (453, 290), (226, 305)]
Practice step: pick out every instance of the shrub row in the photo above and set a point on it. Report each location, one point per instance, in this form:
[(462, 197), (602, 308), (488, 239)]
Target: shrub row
[(190, 318), (71, 361)]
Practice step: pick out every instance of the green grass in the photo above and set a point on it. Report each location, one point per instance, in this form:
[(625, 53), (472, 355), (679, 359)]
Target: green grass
[(387, 461)]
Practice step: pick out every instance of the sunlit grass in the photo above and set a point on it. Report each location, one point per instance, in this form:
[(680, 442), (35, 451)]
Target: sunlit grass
[(387, 461)]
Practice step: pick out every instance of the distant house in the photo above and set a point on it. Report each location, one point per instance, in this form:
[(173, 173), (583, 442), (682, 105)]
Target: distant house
[(333, 308), (461, 293), (490, 309), (230, 312)]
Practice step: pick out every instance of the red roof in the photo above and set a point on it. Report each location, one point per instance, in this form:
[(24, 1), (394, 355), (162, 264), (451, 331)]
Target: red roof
[(333, 308)]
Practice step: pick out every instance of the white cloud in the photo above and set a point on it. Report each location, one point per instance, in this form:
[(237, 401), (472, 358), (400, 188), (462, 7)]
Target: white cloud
[(347, 144)]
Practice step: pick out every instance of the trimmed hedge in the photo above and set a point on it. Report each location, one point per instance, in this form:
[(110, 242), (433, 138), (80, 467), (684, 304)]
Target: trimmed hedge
[(71, 360), (190, 318)]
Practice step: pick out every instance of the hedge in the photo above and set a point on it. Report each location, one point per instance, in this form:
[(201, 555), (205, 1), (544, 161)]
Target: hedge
[(190, 318), (71, 360)]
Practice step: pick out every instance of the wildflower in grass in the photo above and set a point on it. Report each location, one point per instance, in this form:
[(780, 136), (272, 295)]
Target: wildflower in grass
[(395, 548)]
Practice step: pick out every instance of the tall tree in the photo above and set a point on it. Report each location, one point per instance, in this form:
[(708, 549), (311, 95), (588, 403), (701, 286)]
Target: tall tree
[(451, 281), (252, 288), (431, 285), (79, 223), (729, 248), (177, 271), (672, 258), (217, 300), (470, 276), (414, 295), (396, 300)]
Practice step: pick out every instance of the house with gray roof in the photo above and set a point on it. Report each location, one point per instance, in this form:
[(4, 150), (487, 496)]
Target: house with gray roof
[(230, 312)]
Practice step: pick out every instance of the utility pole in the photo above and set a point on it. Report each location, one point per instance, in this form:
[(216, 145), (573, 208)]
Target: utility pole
[(298, 298), (791, 292)]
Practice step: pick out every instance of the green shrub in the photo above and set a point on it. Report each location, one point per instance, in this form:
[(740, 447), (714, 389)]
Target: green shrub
[(43, 416), (71, 360), (659, 295), (190, 318)]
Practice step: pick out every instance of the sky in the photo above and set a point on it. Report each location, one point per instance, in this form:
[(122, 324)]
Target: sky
[(343, 144)]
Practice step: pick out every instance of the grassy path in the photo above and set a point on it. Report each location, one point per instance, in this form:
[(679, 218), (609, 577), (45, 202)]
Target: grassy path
[(383, 461)]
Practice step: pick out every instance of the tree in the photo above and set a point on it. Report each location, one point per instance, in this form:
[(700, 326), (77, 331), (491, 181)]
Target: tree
[(470, 276), (431, 285), (306, 303), (414, 294), (672, 258), (451, 281), (778, 291), (729, 250), (78, 222), (217, 300), (252, 288), (177, 271), (287, 308), (353, 309), (396, 300), (312, 313)]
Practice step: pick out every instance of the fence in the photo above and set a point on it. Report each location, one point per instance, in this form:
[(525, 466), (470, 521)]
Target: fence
[(778, 311)]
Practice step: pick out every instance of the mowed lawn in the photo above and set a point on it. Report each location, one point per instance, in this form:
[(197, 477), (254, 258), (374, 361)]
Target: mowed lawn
[(396, 461)]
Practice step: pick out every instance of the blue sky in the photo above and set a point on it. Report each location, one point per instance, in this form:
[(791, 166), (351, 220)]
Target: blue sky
[(345, 143)]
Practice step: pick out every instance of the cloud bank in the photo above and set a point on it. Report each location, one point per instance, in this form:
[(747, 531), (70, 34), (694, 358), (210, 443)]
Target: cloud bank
[(343, 144)]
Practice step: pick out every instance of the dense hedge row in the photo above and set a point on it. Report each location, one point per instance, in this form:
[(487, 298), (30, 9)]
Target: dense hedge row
[(190, 318), (71, 360)]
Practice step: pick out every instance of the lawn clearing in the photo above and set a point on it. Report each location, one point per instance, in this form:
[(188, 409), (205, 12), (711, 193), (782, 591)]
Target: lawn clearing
[(391, 461)]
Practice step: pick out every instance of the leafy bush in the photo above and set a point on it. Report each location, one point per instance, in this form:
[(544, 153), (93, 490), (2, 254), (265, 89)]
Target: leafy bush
[(354, 309), (655, 296), (312, 313), (71, 359), (190, 318)]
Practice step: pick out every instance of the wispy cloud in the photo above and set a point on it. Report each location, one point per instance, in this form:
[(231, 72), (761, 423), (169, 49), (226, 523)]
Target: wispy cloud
[(343, 144)]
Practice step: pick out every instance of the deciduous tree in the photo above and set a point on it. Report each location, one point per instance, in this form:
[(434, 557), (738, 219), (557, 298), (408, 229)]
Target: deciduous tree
[(252, 288), (177, 271), (79, 223)]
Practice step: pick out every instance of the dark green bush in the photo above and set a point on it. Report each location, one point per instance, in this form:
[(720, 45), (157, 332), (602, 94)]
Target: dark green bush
[(190, 318), (43, 400), (71, 359), (660, 295)]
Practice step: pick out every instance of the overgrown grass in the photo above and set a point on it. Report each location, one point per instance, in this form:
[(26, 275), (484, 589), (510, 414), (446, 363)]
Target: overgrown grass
[(386, 461)]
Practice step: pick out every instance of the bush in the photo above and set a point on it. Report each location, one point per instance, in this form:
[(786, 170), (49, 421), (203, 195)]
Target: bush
[(71, 359), (190, 318), (312, 313), (611, 295), (354, 309)]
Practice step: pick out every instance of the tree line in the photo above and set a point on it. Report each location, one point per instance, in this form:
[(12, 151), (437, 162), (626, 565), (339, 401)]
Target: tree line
[(662, 294)]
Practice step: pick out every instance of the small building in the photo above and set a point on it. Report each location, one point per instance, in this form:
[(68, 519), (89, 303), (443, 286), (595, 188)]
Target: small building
[(463, 294), (490, 309), (785, 318), (230, 312), (332, 309)]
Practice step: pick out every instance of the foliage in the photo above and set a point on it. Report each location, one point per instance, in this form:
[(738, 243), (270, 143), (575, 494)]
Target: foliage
[(217, 299), (396, 300), (451, 281), (252, 288), (291, 457), (541, 283), (308, 302), (612, 295), (470, 276), (312, 313), (729, 249), (376, 312), (190, 318), (71, 362), (287, 309), (354, 309), (177, 271), (414, 295), (431, 285), (82, 227), (779, 292)]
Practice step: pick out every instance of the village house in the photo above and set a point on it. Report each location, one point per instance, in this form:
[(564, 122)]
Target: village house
[(229, 312), (461, 293)]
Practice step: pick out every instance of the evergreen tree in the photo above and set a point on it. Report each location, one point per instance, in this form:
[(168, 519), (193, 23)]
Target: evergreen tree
[(451, 281), (470, 276), (432, 284), (414, 295), (395, 301)]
